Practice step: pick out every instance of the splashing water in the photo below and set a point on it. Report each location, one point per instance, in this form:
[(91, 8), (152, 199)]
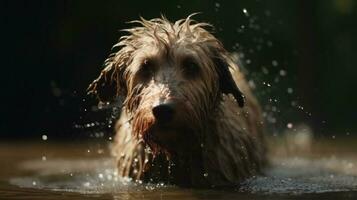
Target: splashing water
[(286, 175)]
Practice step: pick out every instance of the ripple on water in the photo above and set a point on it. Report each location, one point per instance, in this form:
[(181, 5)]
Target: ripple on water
[(286, 176)]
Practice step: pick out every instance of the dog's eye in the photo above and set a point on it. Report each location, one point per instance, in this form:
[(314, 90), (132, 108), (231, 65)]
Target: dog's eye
[(190, 68), (146, 69)]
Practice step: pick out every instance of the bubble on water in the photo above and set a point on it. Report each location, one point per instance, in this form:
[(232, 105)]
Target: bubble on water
[(44, 137), (289, 125), (350, 165), (245, 11), (34, 183), (86, 184)]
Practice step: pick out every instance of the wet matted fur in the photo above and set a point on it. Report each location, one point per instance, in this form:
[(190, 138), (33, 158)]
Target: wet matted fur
[(184, 120)]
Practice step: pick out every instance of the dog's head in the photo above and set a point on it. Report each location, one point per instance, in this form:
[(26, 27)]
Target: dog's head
[(172, 77)]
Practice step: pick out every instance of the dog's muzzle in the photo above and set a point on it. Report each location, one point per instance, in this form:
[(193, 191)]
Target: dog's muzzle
[(164, 112)]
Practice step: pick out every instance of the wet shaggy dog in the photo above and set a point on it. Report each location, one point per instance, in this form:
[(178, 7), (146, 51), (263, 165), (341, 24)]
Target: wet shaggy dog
[(185, 119)]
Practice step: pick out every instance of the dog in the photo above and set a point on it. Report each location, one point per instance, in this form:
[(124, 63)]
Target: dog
[(184, 120)]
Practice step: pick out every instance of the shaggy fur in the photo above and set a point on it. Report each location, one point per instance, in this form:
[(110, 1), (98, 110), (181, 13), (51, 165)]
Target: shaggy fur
[(213, 134)]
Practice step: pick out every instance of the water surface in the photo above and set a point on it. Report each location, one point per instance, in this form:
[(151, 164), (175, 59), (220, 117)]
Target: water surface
[(85, 170)]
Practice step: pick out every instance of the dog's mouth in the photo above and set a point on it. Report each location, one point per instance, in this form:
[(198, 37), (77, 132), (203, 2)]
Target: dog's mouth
[(167, 138)]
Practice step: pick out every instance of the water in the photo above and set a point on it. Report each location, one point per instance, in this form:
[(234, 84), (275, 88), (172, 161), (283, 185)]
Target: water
[(86, 171)]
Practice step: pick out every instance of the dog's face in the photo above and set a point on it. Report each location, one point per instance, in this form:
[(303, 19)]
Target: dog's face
[(172, 77)]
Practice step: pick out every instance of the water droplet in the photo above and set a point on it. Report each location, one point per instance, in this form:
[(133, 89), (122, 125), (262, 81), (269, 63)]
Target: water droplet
[(269, 43), (267, 13), (282, 73), (290, 90), (245, 11), (265, 70), (44, 137), (251, 84), (275, 63), (289, 125)]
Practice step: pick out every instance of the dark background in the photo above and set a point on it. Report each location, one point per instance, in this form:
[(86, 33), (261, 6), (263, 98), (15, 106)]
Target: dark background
[(52, 50)]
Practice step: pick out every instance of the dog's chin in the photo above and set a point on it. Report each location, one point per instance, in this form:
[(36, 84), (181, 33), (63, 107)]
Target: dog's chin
[(169, 138)]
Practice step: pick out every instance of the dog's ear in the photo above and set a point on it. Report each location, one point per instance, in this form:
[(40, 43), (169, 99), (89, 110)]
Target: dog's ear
[(226, 82), (109, 85)]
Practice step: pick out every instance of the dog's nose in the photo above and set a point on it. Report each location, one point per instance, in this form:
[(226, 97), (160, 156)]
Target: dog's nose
[(164, 112)]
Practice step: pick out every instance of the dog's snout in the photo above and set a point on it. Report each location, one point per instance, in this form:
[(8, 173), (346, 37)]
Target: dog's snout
[(164, 113)]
